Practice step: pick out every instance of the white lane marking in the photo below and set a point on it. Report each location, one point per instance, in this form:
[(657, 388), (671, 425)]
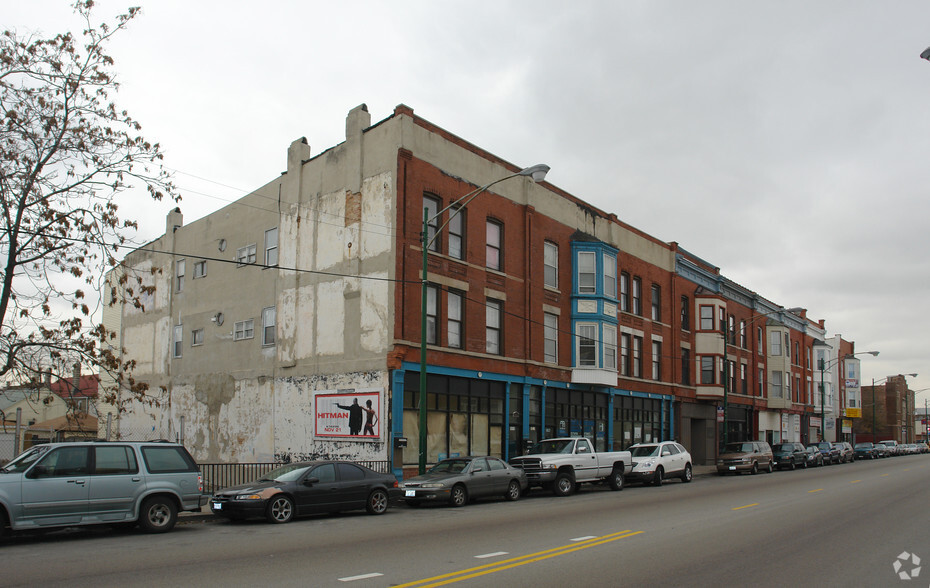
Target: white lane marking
[(487, 555), (362, 577), (584, 538)]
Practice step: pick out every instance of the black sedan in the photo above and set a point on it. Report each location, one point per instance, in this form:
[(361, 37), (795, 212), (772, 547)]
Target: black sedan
[(306, 488), (458, 479)]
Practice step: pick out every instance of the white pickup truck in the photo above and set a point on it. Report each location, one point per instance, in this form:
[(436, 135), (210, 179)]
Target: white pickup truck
[(563, 464)]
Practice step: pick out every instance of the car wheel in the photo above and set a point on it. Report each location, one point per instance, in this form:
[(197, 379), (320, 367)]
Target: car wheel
[(804, 465), (377, 502), (688, 474), (616, 479), (158, 514), (563, 486), (792, 466), (3, 529), (755, 468), (657, 477), (280, 510), (459, 495), (513, 491)]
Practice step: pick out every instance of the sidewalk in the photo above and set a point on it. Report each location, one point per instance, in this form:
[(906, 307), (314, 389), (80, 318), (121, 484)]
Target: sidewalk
[(206, 515)]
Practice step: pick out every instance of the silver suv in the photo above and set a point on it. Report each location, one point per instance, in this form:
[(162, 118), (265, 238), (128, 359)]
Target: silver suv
[(86, 483)]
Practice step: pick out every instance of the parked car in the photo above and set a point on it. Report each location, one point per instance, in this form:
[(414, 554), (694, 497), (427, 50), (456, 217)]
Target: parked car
[(880, 450), (830, 454), (87, 483), (892, 446), (458, 479), (813, 455), (845, 451), (308, 487), (865, 450), (789, 455), (655, 462), (745, 456)]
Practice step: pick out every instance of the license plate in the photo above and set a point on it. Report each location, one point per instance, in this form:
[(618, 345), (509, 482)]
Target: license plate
[(217, 506), (733, 468), (410, 493)]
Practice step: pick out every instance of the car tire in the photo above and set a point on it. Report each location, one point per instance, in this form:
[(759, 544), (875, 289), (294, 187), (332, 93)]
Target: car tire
[(615, 481), (4, 531), (458, 496), (792, 466), (755, 468), (804, 465), (158, 514), (377, 502), (564, 485), (658, 476), (280, 509), (688, 474), (771, 468), (513, 491)]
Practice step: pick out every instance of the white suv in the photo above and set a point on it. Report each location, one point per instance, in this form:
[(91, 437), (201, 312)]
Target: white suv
[(86, 483)]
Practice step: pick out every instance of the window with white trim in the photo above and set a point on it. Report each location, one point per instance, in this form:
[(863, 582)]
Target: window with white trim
[(268, 325), (271, 246), (179, 275), (456, 230), (551, 264), (454, 318), (587, 272), (432, 315), (178, 339), (245, 254), (550, 338), (656, 360), (200, 269), (493, 311), (243, 330), (196, 337), (587, 344), (610, 275), (610, 347), (637, 357), (495, 245), (775, 345), (432, 206)]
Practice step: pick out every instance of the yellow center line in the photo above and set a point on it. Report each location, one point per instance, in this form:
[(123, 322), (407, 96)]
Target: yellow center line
[(855, 481), (883, 475), (746, 506), (817, 490), (517, 561)]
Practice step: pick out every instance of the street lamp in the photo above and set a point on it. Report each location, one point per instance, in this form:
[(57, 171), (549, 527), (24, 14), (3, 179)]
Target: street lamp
[(823, 366), (726, 367), (537, 173)]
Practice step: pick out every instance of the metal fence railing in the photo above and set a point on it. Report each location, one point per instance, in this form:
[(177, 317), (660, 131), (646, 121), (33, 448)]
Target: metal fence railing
[(217, 476)]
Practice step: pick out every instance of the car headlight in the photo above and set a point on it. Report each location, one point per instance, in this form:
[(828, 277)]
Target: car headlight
[(248, 497), (432, 485), (647, 464)]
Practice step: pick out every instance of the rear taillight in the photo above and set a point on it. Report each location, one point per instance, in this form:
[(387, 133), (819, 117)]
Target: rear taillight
[(200, 484)]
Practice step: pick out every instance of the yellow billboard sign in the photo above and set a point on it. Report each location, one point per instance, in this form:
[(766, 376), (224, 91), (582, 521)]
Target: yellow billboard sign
[(854, 413)]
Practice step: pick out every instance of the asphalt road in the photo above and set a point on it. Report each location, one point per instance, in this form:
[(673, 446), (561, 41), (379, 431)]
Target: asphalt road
[(841, 525)]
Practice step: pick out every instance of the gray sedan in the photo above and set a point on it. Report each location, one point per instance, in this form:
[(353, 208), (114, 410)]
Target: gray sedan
[(458, 479)]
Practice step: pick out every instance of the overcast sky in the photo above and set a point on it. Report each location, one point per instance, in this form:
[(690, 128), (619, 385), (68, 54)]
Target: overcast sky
[(786, 142)]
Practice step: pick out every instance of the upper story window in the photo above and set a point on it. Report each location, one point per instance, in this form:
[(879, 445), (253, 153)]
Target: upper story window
[(656, 302), (685, 314), (550, 338), (179, 275), (731, 328), (587, 272), (268, 325), (551, 264), (243, 330), (625, 292), (200, 269), (742, 334), (775, 343), (495, 244), (707, 318), (454, 318), (271, 246), (431, 205), (196, 337), (610, 275), (759, 339), (493, 326), (587, 345), (246, 254), (637, 296), (178, 340), (432, 316), (610, 347), (456, 230)]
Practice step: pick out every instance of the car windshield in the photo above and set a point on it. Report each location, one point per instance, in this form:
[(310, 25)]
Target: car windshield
[(644, 450), (553, 446), (738, 448), (26, 459), (863, 446), (286, 473), (781, 447), (450, 466)]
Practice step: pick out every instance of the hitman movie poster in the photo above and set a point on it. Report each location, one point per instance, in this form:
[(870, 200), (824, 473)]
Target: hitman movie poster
[(349, 413)]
